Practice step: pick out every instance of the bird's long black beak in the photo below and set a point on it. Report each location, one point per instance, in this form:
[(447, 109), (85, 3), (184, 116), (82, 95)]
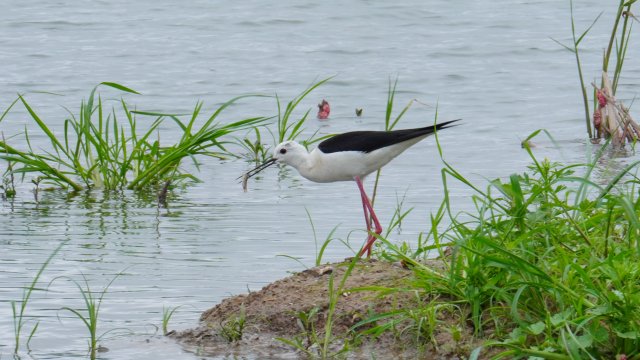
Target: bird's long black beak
[(258, 168)]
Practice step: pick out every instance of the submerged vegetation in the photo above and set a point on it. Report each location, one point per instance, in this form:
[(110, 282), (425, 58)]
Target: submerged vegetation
[(113, 149)]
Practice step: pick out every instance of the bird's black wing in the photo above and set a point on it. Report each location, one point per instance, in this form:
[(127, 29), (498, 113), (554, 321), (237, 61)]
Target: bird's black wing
[(368, 141)]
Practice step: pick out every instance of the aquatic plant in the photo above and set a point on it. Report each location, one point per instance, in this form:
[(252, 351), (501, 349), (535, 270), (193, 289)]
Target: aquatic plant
[(96, 150), (167, 314), (546, 264), (90, 314), (286, 128), (389, 123), (8, 186), (328, 239), (255, 149), (620, 39), (18, 308)]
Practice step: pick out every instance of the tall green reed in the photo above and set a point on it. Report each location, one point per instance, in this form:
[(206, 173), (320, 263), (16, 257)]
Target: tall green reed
[(287, 127), (389, 124), (328, 239), (619, 39)]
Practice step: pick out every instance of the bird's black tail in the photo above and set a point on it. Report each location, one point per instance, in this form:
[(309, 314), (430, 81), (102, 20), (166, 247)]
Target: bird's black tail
[(440, 126), (407, 134)]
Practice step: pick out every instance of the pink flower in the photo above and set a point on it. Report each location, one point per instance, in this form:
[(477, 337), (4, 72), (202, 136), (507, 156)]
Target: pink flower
[(323, 110)]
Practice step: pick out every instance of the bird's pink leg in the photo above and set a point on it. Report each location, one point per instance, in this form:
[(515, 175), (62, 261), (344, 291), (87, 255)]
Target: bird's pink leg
[(378, 230), (366, 205), (367, 217)]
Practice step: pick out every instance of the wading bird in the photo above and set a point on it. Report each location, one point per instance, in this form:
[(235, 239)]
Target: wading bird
[(350, 157)]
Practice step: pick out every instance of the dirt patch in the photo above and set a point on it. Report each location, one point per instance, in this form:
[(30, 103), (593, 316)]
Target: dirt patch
[(275, 312)]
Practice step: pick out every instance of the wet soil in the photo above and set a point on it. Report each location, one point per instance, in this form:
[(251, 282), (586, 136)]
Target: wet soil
[(279, 309)]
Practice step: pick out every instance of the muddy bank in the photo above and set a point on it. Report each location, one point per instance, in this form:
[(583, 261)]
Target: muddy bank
[(275, 311)]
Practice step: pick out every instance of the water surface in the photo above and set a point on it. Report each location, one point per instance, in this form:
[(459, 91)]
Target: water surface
[(491, 63)]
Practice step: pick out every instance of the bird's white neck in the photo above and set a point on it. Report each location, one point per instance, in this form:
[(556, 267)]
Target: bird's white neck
[(301, 161)]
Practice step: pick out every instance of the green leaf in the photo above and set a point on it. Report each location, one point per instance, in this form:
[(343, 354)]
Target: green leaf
[(537, 328), (633, 335), (119, 87), (560, 318)]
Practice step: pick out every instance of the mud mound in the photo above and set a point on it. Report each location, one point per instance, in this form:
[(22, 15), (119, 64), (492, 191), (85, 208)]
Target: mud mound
[(275, 312)]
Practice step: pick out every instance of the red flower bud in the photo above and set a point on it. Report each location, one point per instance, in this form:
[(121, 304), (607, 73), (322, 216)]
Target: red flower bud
[(602, 100)]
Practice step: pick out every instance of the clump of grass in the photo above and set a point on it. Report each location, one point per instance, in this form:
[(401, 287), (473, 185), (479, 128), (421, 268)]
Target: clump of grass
[(398, 215), (320, 247), (90, 314), (322, 344), (289, 129), (232, 329), (167, 314), (547, 263), (308, 338), (255, 150), (18, 308), (306, 321), (8, 186), (98, 150)]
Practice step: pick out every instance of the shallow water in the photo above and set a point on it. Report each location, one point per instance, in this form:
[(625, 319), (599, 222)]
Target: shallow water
[(490, 63)]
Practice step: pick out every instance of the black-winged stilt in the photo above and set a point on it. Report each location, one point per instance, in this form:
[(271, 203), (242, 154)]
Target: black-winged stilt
[(350, 156)]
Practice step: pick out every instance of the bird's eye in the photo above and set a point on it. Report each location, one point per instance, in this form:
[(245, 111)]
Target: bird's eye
[(283, 151)]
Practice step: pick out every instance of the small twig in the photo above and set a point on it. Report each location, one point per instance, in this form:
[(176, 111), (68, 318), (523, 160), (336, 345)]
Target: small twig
[(36, 181), (8, 186), (162, 195)]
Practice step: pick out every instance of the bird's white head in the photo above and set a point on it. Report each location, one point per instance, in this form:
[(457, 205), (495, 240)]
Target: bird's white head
[(290, 153)]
